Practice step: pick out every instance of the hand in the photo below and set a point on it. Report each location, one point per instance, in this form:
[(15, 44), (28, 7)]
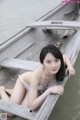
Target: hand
[(56, 89), (70, 71)]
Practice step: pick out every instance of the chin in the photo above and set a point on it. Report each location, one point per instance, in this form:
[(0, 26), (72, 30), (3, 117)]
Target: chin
[(54, 72)]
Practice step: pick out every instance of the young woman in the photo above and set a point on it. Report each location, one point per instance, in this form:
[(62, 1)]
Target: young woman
[(32, 88)]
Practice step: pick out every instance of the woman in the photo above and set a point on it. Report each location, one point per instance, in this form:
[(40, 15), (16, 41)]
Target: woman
[(32, 88)]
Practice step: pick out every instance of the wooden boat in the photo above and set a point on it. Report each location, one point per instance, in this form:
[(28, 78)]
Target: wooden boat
[(20, 53)]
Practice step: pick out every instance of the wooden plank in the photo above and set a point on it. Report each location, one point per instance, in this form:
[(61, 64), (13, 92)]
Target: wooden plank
[(51, 100), (19, 64), (56, 25), (17, 110), (72, 50)]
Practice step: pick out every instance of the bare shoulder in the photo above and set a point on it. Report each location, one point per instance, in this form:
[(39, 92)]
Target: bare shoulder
[(39, 71), (37, 74)]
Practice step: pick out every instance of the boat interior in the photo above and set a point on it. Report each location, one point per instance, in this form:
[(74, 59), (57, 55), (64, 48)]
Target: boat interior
[(26, 46)]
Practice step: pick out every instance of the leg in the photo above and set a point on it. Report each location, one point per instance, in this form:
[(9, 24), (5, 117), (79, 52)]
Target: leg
[(9, 91), (4, 96), (18, 92), (25, 101)]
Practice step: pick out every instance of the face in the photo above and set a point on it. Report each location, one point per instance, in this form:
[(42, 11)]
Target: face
[(51, 64)]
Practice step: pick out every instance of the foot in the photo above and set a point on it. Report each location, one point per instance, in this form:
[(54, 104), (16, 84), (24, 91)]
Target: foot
[(9, 91), (2, 88)]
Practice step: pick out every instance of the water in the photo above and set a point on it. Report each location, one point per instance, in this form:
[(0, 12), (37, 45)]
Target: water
[(17, 14), (68, 106)]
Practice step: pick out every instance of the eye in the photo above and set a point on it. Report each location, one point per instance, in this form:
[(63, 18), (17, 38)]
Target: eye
[(57, 60), (48, 61)]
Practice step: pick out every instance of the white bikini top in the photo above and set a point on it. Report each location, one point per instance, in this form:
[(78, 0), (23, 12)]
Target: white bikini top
[(40, 87)]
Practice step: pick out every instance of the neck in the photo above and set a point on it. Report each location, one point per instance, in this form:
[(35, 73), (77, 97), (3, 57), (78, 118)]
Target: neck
[(48, 75)]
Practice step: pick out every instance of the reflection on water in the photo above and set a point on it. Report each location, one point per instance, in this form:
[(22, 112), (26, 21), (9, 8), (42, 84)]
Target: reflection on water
[(68, 105)]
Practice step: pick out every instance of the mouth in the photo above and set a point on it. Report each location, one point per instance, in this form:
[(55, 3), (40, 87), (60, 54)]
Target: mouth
[(54, 69)]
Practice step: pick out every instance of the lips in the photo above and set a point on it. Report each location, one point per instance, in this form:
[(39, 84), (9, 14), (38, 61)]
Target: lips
[(53, 69)]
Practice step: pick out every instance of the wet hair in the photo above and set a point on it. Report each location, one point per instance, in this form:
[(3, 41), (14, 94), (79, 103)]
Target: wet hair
[(58, 55)]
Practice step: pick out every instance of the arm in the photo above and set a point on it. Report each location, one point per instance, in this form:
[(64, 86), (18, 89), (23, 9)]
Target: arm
[(34, 100), (39, 100), (69, 70)]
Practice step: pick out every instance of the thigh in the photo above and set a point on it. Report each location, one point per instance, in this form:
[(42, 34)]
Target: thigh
[(25, 101), (18, 92)]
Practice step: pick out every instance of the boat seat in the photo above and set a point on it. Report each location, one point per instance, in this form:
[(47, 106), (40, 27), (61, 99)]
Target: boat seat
[(17, 110), (56, 25), (19, 64)]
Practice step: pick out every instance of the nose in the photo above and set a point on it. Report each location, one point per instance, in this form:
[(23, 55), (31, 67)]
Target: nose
[(53, 64)]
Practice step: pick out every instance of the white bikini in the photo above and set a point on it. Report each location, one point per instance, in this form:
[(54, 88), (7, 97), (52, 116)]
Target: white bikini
[(40, 87)]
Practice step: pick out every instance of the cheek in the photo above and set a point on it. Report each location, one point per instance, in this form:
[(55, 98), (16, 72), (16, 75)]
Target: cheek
[(59, 64), (46, 66)]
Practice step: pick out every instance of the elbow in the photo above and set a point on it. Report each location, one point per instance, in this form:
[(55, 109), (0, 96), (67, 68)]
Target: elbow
[(66, 60), (65, 56), (32, 107)]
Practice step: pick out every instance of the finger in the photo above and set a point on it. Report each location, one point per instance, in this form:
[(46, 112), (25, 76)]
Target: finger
[(67, 72), (60, 93), (61, 87)]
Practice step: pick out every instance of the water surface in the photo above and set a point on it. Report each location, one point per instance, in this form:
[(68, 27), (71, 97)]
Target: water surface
[(68, 105)]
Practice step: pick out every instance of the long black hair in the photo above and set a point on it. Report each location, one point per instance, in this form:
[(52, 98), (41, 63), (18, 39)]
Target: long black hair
[(58, 55)]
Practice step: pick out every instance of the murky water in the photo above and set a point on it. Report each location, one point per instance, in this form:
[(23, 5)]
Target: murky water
[(68, 106), (15, 15)]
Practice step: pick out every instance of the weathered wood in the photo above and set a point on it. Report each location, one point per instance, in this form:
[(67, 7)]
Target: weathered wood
[(14, 38), (19, 64), (72, 51), (65, 34), (21, 45), (17, 110), (56, 25), (46, 108), (43, 113)]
